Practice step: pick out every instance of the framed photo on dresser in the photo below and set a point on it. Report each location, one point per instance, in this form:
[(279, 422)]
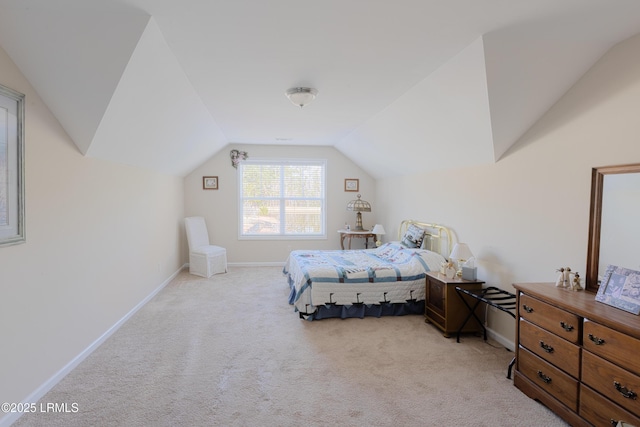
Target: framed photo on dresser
[(620, 288)]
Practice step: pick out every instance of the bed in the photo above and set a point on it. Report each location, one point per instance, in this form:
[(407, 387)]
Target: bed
[(386, 281)]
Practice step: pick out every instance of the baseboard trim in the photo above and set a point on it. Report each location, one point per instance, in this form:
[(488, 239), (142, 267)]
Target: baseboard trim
[(507, 343), (251, 264), (36, 395), (256, 264)]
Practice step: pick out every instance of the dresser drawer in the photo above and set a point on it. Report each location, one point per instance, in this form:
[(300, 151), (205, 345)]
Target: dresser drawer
[(550, 347), (600, 411), (549, 378), (564, 324), (620, 386), (615, 346)]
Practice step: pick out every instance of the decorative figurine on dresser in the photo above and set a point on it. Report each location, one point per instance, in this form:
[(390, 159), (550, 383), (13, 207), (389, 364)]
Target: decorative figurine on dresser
[(577, 352), (566, 281)]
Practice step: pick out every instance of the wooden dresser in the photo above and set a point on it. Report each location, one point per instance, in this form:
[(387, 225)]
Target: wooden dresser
[(578, 357)]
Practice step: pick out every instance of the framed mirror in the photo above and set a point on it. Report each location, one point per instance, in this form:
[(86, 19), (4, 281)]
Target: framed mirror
[(614, 231)]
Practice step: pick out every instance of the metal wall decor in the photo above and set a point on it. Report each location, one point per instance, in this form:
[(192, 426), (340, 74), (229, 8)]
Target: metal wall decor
[(237, 156)]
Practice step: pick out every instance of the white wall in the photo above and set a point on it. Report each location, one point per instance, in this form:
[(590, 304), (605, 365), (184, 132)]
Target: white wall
[(100, 237), (220, 207), (527, 215)]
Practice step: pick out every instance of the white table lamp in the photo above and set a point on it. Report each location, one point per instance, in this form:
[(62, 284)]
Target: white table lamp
[(378, 230), (461, 253)]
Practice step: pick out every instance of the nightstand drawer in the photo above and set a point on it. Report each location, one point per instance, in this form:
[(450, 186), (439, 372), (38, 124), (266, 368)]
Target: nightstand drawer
[(436, 300), (553, 349), (553, 319), (551, 379)]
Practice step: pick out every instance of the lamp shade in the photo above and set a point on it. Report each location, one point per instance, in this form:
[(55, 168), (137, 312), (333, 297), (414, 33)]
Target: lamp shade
[(301, 96), (461, 251), (378, 229), (359, 205)]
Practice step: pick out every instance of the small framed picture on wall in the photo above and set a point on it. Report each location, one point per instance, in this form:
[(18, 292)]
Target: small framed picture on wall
[(351, 184), (210, 182)]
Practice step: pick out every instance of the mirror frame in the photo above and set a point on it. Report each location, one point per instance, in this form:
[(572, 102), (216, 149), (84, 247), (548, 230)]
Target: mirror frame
[(595, 218)]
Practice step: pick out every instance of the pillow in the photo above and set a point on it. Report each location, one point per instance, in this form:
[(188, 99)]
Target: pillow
[(413, 236), (425, 241)]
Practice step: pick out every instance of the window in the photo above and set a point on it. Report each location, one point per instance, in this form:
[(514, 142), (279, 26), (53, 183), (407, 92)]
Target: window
[(11, 167), (282, 198)]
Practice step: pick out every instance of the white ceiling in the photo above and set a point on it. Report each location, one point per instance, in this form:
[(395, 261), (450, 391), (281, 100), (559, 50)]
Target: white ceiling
[(165, 84)]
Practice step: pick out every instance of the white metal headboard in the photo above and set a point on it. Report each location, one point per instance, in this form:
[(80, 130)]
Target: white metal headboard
[(437, 238)]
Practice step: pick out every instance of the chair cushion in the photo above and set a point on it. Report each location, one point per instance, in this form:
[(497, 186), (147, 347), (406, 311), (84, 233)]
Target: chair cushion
[(209, 250)]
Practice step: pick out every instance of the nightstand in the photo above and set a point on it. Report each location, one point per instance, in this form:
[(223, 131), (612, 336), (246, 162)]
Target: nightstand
[(349, 234), (444, 308)]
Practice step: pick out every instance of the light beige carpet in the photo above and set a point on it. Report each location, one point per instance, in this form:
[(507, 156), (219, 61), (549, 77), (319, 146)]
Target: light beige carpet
[(230, 351)]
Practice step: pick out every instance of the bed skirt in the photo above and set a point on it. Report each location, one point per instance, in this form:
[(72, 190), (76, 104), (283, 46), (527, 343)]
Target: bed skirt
[(362, 310), (328, 311)]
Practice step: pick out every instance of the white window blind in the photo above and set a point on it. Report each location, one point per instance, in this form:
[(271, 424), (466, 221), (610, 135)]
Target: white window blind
[(282, 198)]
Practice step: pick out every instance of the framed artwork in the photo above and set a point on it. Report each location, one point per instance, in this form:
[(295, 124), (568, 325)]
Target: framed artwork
[(12, 183), (620, 288), (351, 184), (209, 182)]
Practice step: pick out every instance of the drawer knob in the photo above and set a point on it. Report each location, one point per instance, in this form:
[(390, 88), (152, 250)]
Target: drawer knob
[(527, 308), (543, 377), (596, 340), (567, 327), (546, 347), (625, 392)]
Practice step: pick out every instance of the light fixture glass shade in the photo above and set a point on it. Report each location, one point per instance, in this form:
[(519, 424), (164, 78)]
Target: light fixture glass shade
[(359, 206), (301, 96)]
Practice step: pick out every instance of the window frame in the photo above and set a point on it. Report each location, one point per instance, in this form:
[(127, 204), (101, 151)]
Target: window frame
[(282, 162), (13, 231)]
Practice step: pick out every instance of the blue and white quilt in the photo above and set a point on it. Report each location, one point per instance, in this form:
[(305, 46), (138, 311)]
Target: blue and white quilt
[(391, 273)]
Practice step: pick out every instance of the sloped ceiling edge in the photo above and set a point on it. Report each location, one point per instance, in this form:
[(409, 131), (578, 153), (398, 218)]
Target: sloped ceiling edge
[(155, 119), (443, 122)]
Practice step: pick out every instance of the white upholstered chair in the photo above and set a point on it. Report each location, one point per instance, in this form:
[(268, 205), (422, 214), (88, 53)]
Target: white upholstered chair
[(204, 259)]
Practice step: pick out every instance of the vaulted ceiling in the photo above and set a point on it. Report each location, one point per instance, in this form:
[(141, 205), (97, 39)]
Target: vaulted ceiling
[(166, 84)]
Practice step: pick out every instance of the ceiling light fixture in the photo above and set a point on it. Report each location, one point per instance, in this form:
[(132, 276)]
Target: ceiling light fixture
[(301, 96)]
